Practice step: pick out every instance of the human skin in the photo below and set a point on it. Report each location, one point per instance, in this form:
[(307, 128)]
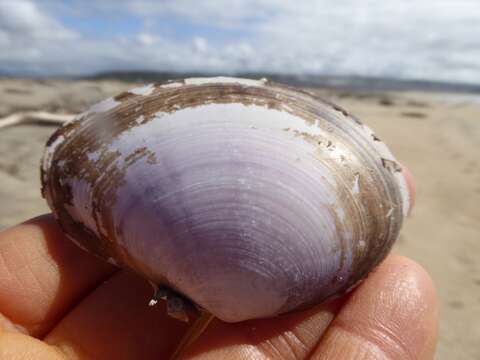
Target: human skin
[(58, 302)]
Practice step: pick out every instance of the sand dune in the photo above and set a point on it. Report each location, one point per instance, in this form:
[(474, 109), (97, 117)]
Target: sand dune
[(436, 135)]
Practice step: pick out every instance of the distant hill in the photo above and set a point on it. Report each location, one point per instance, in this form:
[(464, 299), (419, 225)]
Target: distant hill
[(351, 83)]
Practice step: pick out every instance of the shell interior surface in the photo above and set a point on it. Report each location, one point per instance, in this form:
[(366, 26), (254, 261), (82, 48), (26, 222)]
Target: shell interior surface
[(250, 198)]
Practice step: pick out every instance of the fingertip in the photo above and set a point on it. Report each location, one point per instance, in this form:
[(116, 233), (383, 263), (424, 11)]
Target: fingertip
[(393, 313), (417, 282), (418, 303)]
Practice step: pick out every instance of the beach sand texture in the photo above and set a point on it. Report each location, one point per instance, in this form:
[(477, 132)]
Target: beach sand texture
[(436, 135)]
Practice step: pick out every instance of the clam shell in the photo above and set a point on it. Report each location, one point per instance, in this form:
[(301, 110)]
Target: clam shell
[(248, 197)]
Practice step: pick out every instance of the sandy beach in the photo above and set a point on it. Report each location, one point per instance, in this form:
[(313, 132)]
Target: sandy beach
[(437, 135)]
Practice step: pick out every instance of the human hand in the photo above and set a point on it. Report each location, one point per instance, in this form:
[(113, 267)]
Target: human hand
[(58, 302)]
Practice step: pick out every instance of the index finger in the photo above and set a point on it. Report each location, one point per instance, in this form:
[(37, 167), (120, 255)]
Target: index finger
[(42, 275), (393, 315)]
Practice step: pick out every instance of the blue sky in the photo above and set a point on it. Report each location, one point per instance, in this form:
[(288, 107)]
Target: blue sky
[(415, 39)]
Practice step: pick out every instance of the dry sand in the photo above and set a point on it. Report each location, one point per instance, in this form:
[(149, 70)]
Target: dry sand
[(436, 135)]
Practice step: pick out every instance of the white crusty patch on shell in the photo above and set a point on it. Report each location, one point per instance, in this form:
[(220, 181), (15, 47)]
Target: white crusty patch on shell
[(93, 156), (224, 80), (174, 84), (144, 90), (140, 119), (386, 154)]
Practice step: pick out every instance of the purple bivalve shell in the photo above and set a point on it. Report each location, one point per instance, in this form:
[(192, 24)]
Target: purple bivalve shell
[(247, 197)]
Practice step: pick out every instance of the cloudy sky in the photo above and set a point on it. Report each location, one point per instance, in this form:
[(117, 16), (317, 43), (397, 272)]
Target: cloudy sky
[(416, 39)]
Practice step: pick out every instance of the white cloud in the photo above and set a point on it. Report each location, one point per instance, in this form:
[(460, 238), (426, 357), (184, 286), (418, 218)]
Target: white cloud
[(429, 39), (4, 39), (28, 35), (146, 39), (24, 19), (200, 44)]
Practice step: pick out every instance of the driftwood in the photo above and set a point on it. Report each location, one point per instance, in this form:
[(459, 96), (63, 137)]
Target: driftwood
[(41, 117)]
